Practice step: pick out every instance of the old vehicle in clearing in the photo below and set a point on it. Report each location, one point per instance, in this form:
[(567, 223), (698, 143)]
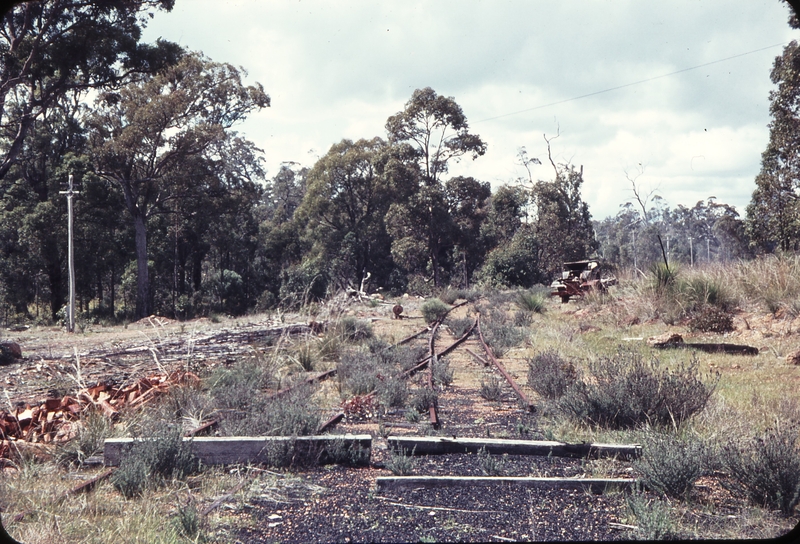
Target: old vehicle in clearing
[(579, 278)]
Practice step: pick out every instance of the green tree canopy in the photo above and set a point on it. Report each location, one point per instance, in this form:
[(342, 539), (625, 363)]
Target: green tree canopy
[(141, 134)]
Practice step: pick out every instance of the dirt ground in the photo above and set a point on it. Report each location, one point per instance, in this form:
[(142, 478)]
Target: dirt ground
[(344, 504)]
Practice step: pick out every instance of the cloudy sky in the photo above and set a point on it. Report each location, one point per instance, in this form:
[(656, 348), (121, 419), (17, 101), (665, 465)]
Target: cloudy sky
[(519, 70)]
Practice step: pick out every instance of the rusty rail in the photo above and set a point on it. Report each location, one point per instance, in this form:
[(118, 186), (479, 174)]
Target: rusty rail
[(434, 417), (523, 397)]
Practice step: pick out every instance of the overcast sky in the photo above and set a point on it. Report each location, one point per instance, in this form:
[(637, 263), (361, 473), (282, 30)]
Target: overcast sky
[(339, 69)]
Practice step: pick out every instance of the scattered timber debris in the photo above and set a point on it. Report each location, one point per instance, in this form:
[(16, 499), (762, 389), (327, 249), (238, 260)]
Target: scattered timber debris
[(47, 421), (675, 341)]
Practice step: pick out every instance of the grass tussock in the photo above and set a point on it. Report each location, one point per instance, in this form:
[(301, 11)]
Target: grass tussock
[(766, 468)]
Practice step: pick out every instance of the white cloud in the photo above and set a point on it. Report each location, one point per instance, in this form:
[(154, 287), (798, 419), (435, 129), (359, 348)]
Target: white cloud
[(339, 69)]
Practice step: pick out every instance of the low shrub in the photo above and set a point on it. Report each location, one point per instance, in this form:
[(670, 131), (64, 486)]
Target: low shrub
[(91, 435), (393, 391), (550, 375), (459, 326), (449, 296), (625, 391), (401, 463), (353, 330), (491, 389), (500, 335), (151, 461), (652, 517), (347, 453), (491, 465), (422, 398), (522, 318), (237, 386), (442, 373), (767, 468), (669, 465), (434, 310), (292, 414), (359, 372)]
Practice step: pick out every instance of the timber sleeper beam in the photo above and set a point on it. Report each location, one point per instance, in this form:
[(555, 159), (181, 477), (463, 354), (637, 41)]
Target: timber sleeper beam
[(435, 445), (223, 450), (595, 485)]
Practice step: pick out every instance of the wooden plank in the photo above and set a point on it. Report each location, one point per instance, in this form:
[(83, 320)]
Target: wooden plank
[(595, 485), (435, 445), (223, 450)]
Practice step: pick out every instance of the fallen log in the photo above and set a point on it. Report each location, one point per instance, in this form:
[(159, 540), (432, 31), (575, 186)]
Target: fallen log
[(223, 450), (595, 485), (434, 445), (729, 349)]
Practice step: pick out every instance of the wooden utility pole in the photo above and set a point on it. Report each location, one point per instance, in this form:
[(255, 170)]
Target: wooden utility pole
[(70, 258)]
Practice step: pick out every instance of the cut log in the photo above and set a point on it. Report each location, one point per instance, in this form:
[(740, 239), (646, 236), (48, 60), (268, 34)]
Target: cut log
[(595, 485), (730, 349), (223, 450), (434, 445)]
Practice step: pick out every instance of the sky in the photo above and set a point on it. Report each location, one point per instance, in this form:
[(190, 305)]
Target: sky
[(520, 70)]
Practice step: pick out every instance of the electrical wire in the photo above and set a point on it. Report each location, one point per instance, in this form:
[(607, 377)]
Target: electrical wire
[(631, 84)]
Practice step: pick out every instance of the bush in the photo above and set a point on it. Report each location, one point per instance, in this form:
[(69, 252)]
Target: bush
[(449, 296), (491, 465), (345, 453), (653, 520), (393, 391), (625, 391), (459, 326), (422, 398), (152, 461), (292, 414), (671, 466), (550, 375), (358, 372), (237, 386), (767, 469), (92, 432), (434, 310), (500, 335), (710, 319), (353, 330), (442, 373), (491, 389), (401, 463)]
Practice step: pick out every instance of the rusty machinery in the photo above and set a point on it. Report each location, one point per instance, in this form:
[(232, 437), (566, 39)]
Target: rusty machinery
[(579, 278)]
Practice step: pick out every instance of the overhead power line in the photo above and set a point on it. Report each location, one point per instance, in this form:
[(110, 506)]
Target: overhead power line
[(632, 83)]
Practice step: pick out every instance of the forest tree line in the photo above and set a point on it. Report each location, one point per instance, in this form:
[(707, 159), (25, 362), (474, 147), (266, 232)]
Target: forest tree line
[(177, 216)]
